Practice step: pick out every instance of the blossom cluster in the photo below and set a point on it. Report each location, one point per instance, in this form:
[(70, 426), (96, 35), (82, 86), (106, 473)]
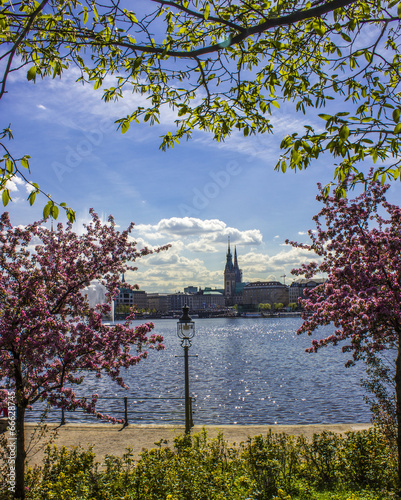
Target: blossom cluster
[(49, 333), (358, 243)]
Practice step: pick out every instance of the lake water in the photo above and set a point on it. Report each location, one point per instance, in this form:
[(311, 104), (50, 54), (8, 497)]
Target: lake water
[(247, 371)]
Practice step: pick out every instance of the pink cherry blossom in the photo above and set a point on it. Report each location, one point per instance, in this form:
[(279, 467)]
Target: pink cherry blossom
[(49, 333), (358, 244)]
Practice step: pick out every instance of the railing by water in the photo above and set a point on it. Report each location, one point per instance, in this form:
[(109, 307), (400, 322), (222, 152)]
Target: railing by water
[(125, 409)]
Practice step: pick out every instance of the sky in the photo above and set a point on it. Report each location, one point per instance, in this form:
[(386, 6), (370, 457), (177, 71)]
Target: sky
[(194, 196)]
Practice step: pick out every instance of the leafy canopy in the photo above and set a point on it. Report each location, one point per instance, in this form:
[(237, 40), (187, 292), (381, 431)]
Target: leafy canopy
[(225, 66)]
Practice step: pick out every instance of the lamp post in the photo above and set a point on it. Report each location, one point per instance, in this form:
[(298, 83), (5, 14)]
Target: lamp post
[(185, 332)]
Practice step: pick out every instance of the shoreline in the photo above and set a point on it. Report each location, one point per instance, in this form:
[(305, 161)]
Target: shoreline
[(113, 439)]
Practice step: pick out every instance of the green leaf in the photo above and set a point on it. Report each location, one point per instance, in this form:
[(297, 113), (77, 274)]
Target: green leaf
[(324, 117), (206, 12), (131, 17), (182, 110), (46, 210), (368, 56), (25, 162), (10, 166), (397, 128), (319, 27), (85, 16), (32, 197), (31, 75), (137, 63), (125, 126), (5, 197), (71, 215), (344, 132), (396, 115), (95, 13), (54, 211)]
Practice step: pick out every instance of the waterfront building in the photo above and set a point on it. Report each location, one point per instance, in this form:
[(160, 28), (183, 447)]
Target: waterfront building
[(159, 302), (265, 292), (179, 300), (233, 286), (130, 298), (191, 289), (208, 299), (299, 286)]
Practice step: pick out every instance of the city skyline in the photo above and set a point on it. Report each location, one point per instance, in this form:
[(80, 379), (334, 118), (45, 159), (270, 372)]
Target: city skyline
[(193, 197)]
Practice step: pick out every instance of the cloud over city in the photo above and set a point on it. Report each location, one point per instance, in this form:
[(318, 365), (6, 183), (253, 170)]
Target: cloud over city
[(198, 253), (210, 230)]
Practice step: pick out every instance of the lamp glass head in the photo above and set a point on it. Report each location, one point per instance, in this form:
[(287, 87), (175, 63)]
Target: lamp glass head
[(185, 325)]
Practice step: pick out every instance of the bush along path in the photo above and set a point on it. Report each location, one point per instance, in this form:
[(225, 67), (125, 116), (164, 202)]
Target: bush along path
[(357, 466)]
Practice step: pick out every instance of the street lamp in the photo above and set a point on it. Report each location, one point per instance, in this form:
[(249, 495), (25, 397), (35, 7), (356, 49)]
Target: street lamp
[(185, 332)]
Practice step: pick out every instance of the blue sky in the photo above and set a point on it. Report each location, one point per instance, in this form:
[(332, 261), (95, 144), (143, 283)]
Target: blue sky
[(194, 196)]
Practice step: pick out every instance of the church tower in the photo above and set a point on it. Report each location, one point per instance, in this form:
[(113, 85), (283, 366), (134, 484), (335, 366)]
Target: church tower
[(238, 272), (229, 274), (232, 275)]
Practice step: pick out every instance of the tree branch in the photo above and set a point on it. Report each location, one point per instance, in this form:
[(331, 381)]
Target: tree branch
[(25, 31)]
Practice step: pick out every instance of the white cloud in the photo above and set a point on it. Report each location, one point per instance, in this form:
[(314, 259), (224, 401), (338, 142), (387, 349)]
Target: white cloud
[(207, 232), (14, 184), (182, 226)]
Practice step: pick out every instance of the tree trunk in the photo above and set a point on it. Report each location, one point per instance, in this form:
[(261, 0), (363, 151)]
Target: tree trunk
[(398, 412), (20, 455)]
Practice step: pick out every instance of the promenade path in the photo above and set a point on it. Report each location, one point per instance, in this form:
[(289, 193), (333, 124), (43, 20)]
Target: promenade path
[(113, 440)]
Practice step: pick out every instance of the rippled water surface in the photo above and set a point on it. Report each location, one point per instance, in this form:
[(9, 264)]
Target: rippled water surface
[(247, 371)]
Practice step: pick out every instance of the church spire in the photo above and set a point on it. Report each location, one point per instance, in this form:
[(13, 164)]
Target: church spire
[(229, 261), (238, 272)]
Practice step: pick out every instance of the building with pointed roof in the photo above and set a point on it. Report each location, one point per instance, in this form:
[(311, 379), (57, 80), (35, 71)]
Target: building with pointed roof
[(232, 279)]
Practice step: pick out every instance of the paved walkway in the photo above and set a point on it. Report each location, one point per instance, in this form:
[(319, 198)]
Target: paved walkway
[(113, 440)]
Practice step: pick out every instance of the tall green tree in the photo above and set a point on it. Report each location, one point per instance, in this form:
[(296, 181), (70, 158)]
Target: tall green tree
[(225, 65)]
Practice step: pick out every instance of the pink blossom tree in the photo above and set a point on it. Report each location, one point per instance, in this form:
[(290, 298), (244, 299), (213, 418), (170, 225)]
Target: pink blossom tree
[(49, 333), (359, 249)]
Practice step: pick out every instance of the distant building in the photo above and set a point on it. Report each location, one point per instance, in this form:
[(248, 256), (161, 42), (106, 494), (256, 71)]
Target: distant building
[(159, 302), (128, 297), (179, 300), (232, 279), (208, 299), (191, 289), (298, 287), (265, 292)]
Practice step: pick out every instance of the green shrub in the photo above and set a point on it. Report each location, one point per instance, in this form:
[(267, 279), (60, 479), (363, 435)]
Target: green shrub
[(320, 458), (198, 469), (273, 463), (65, 474), (367, 461), (275, 466)]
